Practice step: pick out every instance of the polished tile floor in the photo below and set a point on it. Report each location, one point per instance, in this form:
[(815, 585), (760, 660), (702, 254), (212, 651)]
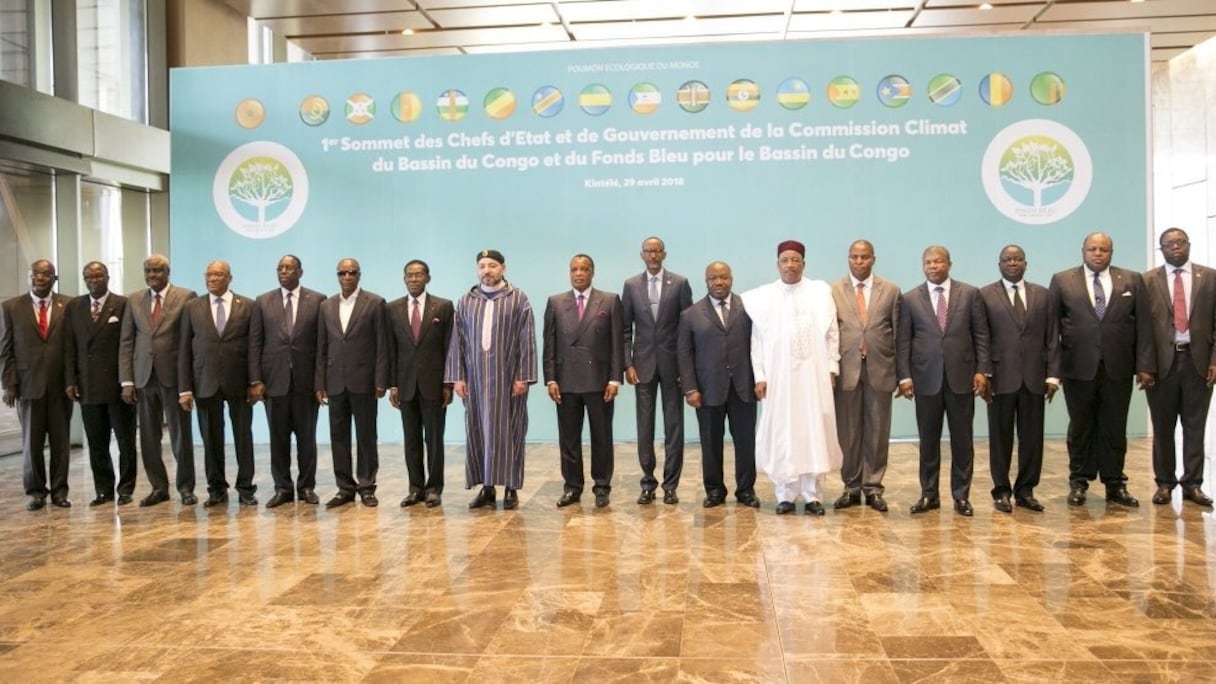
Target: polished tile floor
[(657, 593)]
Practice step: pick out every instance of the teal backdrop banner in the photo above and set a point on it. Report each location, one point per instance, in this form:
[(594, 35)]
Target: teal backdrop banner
[(721, 150)]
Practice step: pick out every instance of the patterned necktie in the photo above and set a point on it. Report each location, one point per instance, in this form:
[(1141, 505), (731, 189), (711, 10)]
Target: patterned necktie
[(941, 307), (1180, 319), (1099, 298), (580, 303), (653, 293), (95, 312), (416, 321), (156, 310), (290, 314), (44, 323), (724, 312), (1019, 306), (220, 319)]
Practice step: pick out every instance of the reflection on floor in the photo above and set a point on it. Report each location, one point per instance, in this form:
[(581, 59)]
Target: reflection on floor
[(656, 593)]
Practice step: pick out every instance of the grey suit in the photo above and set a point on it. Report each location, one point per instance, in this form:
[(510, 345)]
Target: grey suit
[(147, 360), (1181, 390), (650, 349), (866, 382), (582, 355)]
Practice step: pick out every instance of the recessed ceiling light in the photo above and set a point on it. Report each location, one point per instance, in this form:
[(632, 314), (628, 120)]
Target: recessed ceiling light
[(407, 32), (690, 18), (985, 6)]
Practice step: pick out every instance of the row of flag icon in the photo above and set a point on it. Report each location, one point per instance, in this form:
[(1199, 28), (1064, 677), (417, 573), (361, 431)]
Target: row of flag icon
[(742, 95)]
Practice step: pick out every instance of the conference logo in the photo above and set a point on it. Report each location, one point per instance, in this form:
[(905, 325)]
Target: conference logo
[(260, 190), (1037, 171)]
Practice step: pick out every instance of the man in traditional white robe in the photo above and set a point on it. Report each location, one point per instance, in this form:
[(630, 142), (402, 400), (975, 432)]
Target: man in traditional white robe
[(795, 358)]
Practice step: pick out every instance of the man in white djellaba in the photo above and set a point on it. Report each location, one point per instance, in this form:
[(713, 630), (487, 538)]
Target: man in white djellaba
[(795, 358)]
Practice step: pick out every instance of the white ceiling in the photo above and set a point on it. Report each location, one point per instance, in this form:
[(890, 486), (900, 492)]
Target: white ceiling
[(343, 29)]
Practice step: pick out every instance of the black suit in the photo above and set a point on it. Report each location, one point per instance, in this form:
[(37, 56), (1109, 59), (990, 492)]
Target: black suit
[(942, 366), (1025, 352), (1097, 360), (215, 368), (34, 367), (352, 365), (92, 368), (285, 361), (417, 374), (1181, 390), (582, 355), (716, 361)]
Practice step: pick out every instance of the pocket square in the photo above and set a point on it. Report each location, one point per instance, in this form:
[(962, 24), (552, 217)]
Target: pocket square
[(1126, 293), (434, 321), (602, 314), (112, 319)]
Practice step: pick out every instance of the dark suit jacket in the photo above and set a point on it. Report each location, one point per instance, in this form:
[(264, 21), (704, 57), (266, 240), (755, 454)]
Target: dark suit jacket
[(357, 360), (1021, 355), (283, 362), (924, 351), (584, 355), (1201, 318), (91, 349), (145, 347), (416, 368), (31, 364), (882, 320), (209, 364), (650, 344), (713, 357), (1123, 339)]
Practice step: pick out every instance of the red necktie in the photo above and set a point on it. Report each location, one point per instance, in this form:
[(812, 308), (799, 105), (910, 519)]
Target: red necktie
[(1180, 321), (416, 321), (156, 310), (43, 319)]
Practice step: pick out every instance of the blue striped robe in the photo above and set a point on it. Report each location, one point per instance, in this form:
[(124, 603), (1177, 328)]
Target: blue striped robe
[(495, 422)]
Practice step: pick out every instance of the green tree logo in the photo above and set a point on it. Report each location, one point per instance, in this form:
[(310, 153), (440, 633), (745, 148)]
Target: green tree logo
[(260, 189), (1037, 163), (261, 182)]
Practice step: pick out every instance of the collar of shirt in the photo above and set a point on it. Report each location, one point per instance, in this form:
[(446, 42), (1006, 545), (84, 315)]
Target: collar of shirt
[(718, 302), (945, 285), (1089, 275), (421, 299), (227, 297), (1009, 285), (36, 299), (585, 293), (1186, 269), (868, 281), (100, 301), (295, 294), (353, 296), (659, 275)]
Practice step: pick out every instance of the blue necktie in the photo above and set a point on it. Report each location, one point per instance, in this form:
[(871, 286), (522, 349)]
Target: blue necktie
[(220, 319)]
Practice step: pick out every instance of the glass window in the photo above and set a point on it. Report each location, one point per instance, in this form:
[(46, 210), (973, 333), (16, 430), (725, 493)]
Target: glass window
[(111, 57), (25, 43), (101, 228)]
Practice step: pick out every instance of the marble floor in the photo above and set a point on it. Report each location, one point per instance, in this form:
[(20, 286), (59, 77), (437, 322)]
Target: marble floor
[(658, 593)]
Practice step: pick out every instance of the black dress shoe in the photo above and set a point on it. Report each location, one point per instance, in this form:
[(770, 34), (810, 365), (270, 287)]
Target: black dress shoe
[(247, 499), (433, 499), (215, 500), (412, 499), (814, 508), (784, 507), (748, 499), (35, 503), (101, 500), (924, 505), (485, 498), (369, 499), (876, 502), (188, 499), (1002, 504), (1076, 495), (309, 496), (1196, 495), (124, 499), (154, 498), (713, 501), (279, 499), (601, 499), (1163, 495), (340, 499), (847, 500), (963, 507), (670, 498), (567, 499), (1119, 495), (1030, 503), (510, 500), (60, 503), (646, 497)]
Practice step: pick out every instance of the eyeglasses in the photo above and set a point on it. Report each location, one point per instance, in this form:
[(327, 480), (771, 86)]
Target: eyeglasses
[(347, 273), (1174, 243)]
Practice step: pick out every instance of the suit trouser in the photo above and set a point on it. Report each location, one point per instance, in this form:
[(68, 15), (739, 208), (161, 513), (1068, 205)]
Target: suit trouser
[(570, 440), (1025, 409), (293, 413), (157, 406), (45, 420), (1097, 428), (362, 408), (1182, 393), (959, 412), (211, 428), (712, 422), (99, 421), (422, 421), (673, 430), (863, 424)]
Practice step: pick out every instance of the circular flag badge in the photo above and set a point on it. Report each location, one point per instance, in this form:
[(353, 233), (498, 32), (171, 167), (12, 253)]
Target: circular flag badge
[(996, 89), (595, 99), (894, 91), (360, 108), (843, 92), (645, 98), (793, 94), (250, 113), (407, 107), (499, 103), (1047, 88), (693, 96), (452, 105), (314, 110), (547, 101), (743, 95), (945, 90)]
